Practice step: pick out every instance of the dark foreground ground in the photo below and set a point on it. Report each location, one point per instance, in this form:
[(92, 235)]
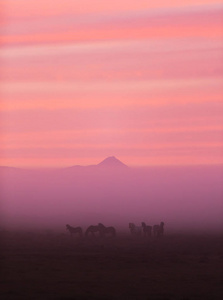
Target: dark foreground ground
[(50, 265)]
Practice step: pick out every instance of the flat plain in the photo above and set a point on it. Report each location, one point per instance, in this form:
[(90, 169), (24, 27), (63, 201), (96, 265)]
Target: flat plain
[(48, 264)]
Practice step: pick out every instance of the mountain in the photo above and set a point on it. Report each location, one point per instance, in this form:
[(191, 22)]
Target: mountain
[(109, 162), (113, 162)]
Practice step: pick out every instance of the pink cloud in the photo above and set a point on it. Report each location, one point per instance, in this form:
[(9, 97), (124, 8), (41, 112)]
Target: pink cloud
[(31, 8), (141, 25), (104, 63)]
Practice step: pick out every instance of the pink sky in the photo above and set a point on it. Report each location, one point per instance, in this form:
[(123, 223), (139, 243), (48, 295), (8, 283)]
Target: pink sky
[(83, 80)]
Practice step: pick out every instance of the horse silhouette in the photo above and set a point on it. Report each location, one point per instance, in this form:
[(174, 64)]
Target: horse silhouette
[(92, 229), (73, 230), (158, 230), (107, 230), (135, 230), (147, 230)]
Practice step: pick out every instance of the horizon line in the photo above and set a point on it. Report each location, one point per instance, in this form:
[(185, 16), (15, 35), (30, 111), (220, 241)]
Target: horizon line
[(129, 166)]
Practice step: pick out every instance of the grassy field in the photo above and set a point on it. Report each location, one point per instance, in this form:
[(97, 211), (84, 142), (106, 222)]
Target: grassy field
[(52, 265)]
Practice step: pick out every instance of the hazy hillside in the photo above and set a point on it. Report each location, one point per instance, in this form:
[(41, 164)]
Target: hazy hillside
[(113, 193)]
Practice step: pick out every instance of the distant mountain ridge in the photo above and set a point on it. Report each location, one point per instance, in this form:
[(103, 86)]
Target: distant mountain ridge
[(109, 162)]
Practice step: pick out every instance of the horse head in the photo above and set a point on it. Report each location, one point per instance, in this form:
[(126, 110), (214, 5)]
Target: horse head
[(101, 225)]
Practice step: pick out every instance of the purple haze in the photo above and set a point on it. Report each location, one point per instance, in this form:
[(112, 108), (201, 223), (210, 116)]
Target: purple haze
[(114, 194)]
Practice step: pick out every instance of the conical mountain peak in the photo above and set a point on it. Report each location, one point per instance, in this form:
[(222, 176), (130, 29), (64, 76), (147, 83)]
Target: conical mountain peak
[(111, 161)]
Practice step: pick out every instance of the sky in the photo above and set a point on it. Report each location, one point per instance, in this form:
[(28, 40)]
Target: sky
[(82, 80)]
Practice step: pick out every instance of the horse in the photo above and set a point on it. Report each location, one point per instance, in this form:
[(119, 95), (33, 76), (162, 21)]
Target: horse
[(73, 230), (135, 230), (158, 230), (92, 229), (107, 230), (147, 230)]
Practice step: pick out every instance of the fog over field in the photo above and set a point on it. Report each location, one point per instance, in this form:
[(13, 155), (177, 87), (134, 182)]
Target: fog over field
[(182, 197)]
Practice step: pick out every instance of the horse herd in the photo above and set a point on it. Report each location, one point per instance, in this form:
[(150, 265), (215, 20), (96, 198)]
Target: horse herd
[(102, 231), (147, 230)]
